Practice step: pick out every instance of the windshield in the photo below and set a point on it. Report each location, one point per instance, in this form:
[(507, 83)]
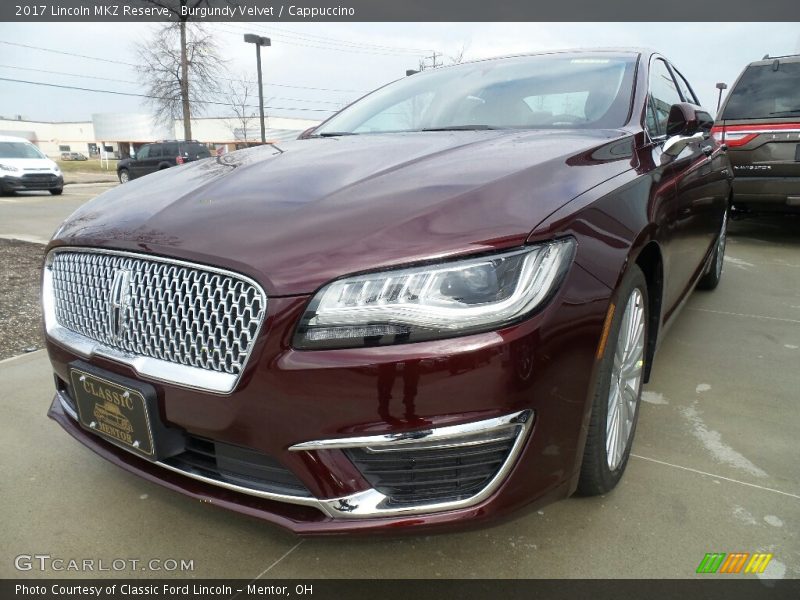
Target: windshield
[(19, 150), (764, 92), (545, 91)]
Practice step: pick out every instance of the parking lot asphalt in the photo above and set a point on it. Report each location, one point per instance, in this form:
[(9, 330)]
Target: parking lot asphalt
[(34, 216), (714, 469)]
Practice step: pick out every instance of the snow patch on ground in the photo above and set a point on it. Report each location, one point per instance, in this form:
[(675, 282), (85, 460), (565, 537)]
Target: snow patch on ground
[(775, 570), (737, 262), (774, 521), (741, 513), (712, 440), (702, 387), (654, 398)]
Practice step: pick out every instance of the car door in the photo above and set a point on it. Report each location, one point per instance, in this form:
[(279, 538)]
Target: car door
[(687, 232), (138, 162), (702, 188), (154, 159)]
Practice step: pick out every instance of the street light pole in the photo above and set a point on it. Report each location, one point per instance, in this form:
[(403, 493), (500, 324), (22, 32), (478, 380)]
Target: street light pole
[(720, 86), (259, 41)]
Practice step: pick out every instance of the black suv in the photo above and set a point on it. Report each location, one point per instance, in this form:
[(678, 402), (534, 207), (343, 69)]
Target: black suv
[(160, 155), (760, 123)]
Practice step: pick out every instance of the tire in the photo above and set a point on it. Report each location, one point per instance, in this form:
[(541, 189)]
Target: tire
[(710, 279), (57, 191), (124, 176), (604, 460)]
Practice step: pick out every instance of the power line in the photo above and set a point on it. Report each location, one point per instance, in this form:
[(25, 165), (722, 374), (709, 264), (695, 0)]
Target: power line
[(108, 60), (327, 41), (366, 44), (119, 62), (334, 48), (220, 93), (68, 74), (118, 93)]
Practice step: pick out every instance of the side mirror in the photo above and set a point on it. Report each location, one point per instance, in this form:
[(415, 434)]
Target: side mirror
[(686, 124)]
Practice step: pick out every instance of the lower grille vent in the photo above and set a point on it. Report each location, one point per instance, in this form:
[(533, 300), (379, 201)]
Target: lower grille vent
[(238, 466), (423, 476)]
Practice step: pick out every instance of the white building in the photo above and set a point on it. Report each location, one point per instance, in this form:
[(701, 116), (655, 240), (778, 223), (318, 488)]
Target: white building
[(121, 132)]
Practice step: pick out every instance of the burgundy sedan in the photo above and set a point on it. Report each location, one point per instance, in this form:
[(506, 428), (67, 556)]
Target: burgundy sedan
[(437, 307)]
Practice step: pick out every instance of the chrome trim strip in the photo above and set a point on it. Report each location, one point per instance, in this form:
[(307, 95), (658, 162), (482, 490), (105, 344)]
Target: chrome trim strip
[(304, 500), (145, 366), (413, 437), (371, 503), (65, 405), (760, 131)]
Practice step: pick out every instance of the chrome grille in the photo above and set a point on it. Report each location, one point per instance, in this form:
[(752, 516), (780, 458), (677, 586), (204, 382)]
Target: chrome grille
[(174, 312)]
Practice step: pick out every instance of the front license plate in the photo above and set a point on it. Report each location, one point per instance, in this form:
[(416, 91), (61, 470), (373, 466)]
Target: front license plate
[(113, 411)]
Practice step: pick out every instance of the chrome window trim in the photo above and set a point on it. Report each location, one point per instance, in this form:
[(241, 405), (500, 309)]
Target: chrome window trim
[(370, 503), (147, 367)]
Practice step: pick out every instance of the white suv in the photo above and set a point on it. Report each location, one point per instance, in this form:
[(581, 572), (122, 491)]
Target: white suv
[(23, 167)]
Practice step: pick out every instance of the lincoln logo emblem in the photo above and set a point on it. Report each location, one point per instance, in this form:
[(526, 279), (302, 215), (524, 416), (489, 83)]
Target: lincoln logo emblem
[(119, 299)]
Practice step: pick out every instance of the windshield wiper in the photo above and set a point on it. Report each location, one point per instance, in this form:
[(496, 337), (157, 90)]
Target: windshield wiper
[(461, 128), (333, 134)]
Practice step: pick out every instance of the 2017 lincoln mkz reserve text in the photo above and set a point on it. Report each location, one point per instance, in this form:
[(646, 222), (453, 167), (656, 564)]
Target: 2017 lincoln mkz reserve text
[(436, 307)]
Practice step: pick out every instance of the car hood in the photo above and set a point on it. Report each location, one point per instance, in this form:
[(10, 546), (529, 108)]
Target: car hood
[(299, 214)]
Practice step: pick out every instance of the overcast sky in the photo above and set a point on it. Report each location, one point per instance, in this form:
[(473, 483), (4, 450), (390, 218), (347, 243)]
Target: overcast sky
[(345, 59)]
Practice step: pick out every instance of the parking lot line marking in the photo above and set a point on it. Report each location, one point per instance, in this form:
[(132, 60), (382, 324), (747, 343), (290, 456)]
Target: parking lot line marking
[(265, 571), (735, 314), (715, 476), (287, 553)]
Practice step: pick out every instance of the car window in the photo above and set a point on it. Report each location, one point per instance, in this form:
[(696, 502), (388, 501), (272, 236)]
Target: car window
[(765, 92), (198, 151), (155, 151), (143, 152), (405, 115), (663, 94), (19, 150), (170, 150), (569, 90), (685, 88), (569, 104)]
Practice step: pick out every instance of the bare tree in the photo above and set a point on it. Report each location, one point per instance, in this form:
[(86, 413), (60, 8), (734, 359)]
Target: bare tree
[(238, 95), (175, 57), (458, 57)]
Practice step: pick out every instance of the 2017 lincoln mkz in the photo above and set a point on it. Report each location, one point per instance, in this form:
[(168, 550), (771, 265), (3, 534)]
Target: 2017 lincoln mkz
[(436, 307)]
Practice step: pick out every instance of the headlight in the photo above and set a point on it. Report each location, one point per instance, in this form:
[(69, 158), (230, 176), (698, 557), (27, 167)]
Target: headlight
[(8, 168), (434, 301)]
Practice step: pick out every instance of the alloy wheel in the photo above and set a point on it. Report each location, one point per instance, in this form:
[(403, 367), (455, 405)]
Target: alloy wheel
[(626, 379)]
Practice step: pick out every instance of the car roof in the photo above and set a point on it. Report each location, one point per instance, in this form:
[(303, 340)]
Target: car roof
[(630, 51), (11, 138), (771, 60)]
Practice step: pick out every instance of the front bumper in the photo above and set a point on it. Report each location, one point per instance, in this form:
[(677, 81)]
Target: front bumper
[(32, 182), (288, 400)]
